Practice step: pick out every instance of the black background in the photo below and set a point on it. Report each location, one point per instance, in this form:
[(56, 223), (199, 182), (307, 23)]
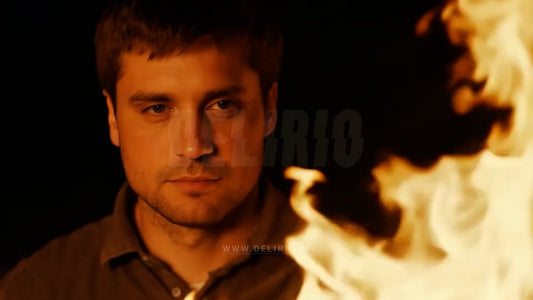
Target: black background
[(61, 171)]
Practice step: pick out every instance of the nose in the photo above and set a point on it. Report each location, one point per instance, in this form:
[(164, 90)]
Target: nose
[(191, 135)]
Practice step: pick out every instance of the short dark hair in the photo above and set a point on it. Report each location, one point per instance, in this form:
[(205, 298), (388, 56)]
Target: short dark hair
[(164, 27)]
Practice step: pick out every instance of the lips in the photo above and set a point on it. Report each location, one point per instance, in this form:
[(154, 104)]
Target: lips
[(197, 184)]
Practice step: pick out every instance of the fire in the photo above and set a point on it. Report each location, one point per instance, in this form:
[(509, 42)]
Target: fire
[(467, 228)]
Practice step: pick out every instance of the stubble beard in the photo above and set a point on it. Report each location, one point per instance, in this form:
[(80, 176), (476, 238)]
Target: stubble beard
[(166, 213)]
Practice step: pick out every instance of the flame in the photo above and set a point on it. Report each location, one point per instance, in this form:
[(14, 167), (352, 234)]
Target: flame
[(467, 228)]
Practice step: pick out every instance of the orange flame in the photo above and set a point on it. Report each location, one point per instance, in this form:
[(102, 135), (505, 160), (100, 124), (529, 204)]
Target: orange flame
[(467, 228)]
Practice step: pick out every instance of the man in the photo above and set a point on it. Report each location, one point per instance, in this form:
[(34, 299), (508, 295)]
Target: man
[(191, 92)]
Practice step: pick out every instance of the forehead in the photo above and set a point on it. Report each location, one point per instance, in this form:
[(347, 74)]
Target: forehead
[(205, 49), (197, 67), (202, 53)]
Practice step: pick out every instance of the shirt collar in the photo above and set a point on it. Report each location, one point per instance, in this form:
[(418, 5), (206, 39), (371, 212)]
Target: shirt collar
[(277, 220), (121, 237)]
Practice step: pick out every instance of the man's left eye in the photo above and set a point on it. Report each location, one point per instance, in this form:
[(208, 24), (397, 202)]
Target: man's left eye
[(158, 108), (224, 108), (223, 105)]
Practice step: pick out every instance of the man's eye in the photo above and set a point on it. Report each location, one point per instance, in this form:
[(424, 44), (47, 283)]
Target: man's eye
[(223, 105), (158, 108), (224, 109)]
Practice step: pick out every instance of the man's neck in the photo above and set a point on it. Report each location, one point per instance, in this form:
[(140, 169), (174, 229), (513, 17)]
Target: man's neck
[(192, 252)]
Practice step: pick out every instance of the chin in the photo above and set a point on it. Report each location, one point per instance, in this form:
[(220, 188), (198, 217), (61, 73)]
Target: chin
[(199, 221), (199, 214)]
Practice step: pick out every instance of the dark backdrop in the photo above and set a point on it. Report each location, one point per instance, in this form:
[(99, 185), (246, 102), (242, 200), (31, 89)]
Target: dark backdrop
[(61, 171)]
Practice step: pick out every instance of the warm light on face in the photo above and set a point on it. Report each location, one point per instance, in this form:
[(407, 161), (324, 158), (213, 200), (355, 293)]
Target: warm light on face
[(190, 128)]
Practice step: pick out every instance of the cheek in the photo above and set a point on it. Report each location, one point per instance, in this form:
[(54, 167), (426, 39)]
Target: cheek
[(252, 132), (241, 143), (141, 151)]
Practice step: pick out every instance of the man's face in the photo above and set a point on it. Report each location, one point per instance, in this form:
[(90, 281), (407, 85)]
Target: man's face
[(190, 128)]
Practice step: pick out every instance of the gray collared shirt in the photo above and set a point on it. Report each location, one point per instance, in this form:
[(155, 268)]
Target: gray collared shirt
[(106, 260)]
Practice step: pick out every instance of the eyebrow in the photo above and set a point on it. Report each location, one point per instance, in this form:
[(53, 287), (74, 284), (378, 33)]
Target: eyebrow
[(141, 96)]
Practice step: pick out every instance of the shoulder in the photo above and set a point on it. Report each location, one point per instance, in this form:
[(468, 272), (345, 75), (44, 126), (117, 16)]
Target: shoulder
[(286, 222), (61, 261)]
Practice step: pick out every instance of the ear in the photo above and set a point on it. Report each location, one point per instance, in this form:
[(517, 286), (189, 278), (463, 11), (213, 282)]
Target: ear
[(111, 119), (271, 109)]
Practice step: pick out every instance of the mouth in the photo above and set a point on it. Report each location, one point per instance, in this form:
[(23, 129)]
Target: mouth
[(197, 184)]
